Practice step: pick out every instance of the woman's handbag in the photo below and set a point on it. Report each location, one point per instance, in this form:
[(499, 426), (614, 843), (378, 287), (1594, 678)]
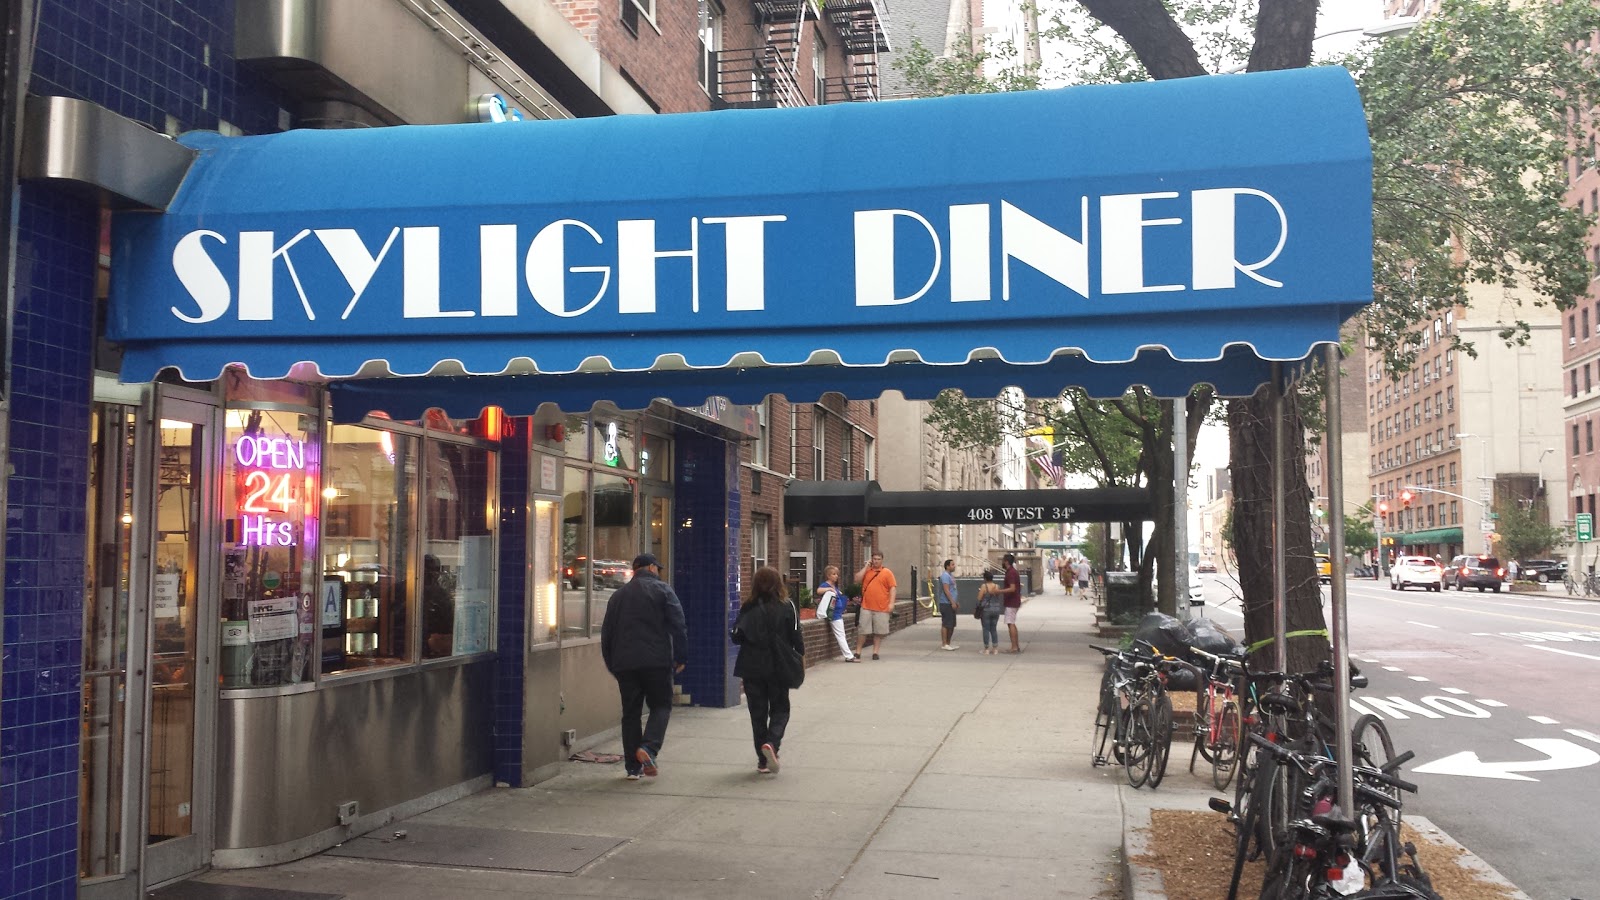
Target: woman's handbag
[(788, 666)]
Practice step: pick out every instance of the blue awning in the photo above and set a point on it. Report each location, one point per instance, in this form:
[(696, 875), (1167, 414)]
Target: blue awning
[(1164, 233)]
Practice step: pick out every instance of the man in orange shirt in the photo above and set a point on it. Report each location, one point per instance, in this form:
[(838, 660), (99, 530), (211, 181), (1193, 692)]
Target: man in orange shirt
[(877, 601)]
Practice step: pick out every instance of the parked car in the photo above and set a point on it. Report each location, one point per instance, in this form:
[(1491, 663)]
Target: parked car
[(1544, 569), (1422, 571), (1476, 571), (1206, 568), (1324, 569), (607, 572)]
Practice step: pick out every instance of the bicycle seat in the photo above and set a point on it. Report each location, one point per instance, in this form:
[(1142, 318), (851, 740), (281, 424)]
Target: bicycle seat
[(1281, 703)]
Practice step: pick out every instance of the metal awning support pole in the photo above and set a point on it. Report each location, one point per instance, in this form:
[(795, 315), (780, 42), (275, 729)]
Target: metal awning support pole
[(1280, 575), (1180, 506), (1340, 630)]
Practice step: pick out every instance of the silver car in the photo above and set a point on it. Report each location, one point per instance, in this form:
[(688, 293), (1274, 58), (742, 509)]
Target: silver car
[(1421, 571)]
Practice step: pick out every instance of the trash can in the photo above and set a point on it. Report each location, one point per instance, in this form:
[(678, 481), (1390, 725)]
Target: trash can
[(1123, 602)]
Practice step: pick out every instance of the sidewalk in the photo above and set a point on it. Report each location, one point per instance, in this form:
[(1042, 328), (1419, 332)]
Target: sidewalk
[(926, 774)]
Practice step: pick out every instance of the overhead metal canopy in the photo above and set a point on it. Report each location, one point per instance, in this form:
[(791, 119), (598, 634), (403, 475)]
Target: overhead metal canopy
[(863, 503)]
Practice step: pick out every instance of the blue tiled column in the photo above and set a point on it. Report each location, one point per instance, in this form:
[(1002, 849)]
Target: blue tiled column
[(41, 697), (705, 562), (512, 633)]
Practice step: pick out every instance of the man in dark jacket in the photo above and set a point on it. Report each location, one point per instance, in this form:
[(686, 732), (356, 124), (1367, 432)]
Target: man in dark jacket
[(644, 641)]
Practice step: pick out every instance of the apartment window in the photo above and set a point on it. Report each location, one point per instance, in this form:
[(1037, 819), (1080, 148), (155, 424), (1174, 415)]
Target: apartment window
[(1427, 408), (1572, 326), (1450, 398), (711, 18), (1588, 436), (819, 444), (1455, 512), (761, 450), (632, 10), (1594, 201), (759, 554), (794, 440), (1574, 382), (869, 460), (1583, 329), (819, 69), (1588, 382), (1452, 473), (847, 452), (1449, 361)]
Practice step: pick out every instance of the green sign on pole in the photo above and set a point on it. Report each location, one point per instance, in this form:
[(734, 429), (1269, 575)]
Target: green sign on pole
[(1585, 523)]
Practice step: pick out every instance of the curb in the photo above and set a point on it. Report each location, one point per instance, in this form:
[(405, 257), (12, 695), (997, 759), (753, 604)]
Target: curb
[(1141, 882)]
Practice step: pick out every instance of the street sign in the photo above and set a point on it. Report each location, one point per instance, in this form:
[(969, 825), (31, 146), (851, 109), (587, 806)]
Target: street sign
[(1585, 523)]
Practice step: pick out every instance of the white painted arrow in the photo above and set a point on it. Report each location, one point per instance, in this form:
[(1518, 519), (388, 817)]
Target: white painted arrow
[(1559, 753)]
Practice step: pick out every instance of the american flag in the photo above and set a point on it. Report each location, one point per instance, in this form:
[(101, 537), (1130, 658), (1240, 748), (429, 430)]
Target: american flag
[(1050, 467)]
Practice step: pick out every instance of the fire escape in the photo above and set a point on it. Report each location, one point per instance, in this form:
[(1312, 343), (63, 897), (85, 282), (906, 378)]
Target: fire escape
[(769, 75), (860, 25)]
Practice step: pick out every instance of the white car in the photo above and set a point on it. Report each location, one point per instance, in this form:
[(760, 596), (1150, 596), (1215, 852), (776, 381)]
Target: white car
[(1422, 571)]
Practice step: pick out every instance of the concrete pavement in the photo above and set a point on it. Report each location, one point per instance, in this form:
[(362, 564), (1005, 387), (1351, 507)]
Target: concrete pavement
[(925, 774)]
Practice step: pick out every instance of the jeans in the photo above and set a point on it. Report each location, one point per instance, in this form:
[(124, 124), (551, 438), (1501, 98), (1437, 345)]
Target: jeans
[(991, 636), (838, 634), (769, 713), (640, 687)]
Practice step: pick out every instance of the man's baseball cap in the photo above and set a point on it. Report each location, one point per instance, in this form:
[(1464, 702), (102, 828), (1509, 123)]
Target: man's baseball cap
[(645, 559)]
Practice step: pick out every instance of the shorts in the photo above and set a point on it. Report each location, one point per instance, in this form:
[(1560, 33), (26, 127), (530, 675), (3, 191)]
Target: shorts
[(947, 615), (1011, 615), (873, 621), (1083, 582)]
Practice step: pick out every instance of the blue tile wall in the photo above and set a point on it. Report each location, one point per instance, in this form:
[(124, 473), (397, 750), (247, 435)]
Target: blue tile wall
[(40, 699), (705, 562), (513, 613), (147, 60)]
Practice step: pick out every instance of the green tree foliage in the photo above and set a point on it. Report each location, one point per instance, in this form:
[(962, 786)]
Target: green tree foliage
[(1523, 532), (1359, 537)]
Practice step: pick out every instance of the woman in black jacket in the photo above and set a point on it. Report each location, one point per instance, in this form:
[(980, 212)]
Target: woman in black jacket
[(766, 617)]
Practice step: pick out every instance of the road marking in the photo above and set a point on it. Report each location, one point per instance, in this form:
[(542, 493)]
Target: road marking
[(1544, 720), (1453, 690), (1393, 669), (1563, 652), (1483, 634), (1586, 735), (1482, 612), (1423, 624), (1416, 678), (1558, 752), (1494, 703)]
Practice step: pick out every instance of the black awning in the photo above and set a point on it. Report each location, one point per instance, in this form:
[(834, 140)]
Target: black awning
[(864, 503)]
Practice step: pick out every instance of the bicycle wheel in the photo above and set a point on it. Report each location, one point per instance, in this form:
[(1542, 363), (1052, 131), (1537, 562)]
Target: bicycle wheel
[(1161, 734), (1371, 746), (1101, 738), (1138, 744), (1270, 797), (1225, 750), (1202, 726)]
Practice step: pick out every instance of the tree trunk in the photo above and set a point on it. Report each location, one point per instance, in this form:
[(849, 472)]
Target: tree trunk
[(1250, 458)]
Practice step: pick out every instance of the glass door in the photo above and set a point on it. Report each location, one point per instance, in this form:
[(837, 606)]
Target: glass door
[(184, 610)]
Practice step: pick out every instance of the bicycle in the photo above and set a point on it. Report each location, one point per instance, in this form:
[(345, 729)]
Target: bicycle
[(1134, 714), (1217, 718)]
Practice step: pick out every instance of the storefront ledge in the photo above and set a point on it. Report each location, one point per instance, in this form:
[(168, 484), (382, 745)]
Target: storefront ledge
[(551, 770), (312, 844), (357, 676), (282, 690)]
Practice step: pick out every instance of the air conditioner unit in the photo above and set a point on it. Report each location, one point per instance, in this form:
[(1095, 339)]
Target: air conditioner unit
[(1572, 342)]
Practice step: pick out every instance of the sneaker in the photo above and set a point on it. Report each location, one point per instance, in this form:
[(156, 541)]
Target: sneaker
[(874, 656), (646, 762), (633, 776), (853, 659), (771, 756), (944, 646), (952, 646), (763, 770)]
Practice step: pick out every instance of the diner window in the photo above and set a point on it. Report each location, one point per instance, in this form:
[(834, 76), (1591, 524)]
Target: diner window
[(615, 443), (655, 463), (458, 539), (269, 547), (369, 516), (545, 592), (616, 540), (575, 568)]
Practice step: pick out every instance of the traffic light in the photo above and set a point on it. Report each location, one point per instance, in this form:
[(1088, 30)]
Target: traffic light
[(1383, 507), (1406, 497)]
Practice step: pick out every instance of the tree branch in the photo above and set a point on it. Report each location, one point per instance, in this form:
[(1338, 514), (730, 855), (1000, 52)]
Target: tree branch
[(1162, 47)]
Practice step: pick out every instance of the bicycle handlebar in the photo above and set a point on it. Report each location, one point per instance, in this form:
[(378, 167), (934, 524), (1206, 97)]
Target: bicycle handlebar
[(1309, 764)]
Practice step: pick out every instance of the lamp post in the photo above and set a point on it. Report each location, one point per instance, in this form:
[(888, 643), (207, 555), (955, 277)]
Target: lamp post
[(1546, 452), (1485, 489)]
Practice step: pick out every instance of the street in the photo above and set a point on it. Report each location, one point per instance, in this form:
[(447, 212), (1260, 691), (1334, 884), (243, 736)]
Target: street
[(1492, 692)]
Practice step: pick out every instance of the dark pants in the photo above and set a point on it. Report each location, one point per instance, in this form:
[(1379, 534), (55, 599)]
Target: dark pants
[(769, 713), (640, 687)]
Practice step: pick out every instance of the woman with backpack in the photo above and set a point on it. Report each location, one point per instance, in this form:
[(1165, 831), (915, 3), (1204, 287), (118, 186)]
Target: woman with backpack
[(830, 608), (989, 610), (768, 626)]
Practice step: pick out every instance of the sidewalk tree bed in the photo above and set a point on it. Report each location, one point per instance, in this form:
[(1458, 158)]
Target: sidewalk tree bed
[(1193, 851)]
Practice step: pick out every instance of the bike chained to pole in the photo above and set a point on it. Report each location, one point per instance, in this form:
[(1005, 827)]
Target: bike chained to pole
[(1267, 728)]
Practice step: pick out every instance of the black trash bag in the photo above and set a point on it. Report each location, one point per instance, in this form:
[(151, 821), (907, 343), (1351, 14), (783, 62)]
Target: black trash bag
[(1168, 635), (1212, 638), (1183, 680)]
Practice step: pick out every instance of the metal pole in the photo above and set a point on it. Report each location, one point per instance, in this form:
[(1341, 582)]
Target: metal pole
[(1378, 522), (1280, 575), (1340, 631), (1180, 505)]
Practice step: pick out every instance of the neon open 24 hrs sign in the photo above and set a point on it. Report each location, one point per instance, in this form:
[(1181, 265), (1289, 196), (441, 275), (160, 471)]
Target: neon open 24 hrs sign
[(270, 468)]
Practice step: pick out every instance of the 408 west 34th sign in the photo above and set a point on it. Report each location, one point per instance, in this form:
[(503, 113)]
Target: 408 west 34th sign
[(1019, 513)]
